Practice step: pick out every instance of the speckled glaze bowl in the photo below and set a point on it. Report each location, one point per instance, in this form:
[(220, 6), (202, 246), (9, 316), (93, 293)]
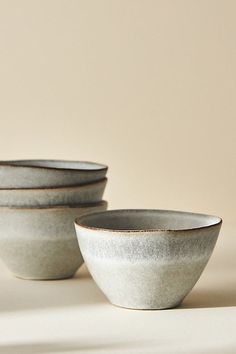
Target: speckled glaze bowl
[(49, 173), (40, 243), (146, 259), (88, 193)]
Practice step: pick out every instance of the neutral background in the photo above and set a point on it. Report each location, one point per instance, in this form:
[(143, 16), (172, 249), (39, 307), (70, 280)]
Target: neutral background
[(147, 87)]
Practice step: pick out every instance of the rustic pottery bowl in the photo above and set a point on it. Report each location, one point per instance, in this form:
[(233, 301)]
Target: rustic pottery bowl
[(146, 259), (88, 193), (40, 243), (49, 173)]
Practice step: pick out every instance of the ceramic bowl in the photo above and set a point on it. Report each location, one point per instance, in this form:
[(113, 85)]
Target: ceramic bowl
[(146, 259), (49, 173), (40, 243), (88, 193)]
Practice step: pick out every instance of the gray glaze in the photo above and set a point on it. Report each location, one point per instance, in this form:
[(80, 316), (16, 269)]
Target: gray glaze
[(49, 173), (146, 259), (40, 243), (89, 193)]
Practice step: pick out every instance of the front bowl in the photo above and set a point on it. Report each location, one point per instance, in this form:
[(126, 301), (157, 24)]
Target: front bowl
[(49, 173), (40, 243), (146, 259), (85, 194)]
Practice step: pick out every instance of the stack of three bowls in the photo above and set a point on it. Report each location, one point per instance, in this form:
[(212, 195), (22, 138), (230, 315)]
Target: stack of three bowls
[(39, 200)]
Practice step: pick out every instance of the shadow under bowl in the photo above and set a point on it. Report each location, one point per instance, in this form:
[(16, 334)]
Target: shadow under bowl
[(146, 259)]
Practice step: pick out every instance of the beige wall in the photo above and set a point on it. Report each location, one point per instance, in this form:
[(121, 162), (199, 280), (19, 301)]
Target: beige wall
[(147, 87)]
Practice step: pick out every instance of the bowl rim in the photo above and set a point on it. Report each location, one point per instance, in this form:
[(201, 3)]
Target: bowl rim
[(61, 188), (54, 207), (79, 221), (27, 164)]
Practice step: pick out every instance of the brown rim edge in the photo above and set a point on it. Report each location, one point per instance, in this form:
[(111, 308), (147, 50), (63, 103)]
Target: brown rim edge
[(13, 163), (79, 219), (54, 207)]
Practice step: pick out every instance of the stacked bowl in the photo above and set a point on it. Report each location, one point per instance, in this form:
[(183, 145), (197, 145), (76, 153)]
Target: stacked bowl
[(39, 200)]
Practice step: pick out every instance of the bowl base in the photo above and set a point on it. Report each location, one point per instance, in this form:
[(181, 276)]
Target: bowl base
[(41, 278), (141, 308)]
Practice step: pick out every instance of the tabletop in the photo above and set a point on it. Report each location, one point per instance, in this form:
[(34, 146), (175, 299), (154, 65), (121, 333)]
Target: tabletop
[(73, 316)]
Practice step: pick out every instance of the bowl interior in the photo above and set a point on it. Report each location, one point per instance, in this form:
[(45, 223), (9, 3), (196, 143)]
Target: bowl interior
[(57, 164), (142, 220)]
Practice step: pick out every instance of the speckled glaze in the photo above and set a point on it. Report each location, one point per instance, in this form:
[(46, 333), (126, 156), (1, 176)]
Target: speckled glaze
[(146, 259), (89, 193), (40, 243), (49, 173)]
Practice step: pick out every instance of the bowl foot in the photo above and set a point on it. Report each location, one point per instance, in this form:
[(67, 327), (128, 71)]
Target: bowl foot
[(147, 307), (56, 277)]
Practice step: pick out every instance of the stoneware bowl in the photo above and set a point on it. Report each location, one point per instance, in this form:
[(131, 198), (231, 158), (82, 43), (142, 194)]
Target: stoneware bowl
[(146, 259), (49, 173), (40, 243), (88, 193)]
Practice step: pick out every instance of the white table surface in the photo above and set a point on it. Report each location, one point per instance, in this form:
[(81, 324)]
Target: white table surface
[(73, 316)]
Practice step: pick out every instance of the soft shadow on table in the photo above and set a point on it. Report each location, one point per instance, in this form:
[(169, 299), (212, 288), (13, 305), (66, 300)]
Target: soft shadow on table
[(119, 347), (21, 294), (218, 350), (67, 347)]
